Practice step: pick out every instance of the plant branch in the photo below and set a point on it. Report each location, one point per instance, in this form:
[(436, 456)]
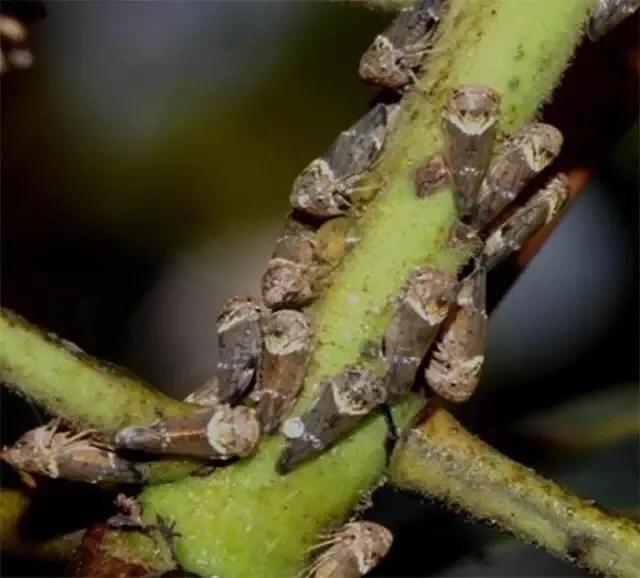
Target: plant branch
[(67, 382), (442, 460), (86, 392)]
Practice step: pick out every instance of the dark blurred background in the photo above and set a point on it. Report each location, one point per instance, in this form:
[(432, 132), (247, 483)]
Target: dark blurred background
[(147, 157)]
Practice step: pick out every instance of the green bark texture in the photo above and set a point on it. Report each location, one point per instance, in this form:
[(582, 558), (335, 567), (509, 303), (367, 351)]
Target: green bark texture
[(443, 460), (67, 382)]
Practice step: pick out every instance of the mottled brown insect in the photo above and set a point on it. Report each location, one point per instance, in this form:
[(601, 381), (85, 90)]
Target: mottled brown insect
[(325, 187), (73, 456), (296, 243), (351, 552), (432, 176), (538, 211), (469, 126), (286, 283), (422, 306), (220, 432), (521, 157), (396, 54), (454, 368), (288, 340), (607, 14), (344, 400), (239, 345)]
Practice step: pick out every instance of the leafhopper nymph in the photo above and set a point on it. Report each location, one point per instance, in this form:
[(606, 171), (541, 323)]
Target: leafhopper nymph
[(432, 176)]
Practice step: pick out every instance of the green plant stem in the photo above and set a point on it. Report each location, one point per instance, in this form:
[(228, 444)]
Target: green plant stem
[(13, 505), (246, 516), (86, 392), (442, 460), (67, 382)]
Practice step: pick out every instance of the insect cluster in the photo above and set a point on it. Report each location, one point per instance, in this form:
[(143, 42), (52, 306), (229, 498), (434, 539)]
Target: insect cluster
[(438, 322), (437, 312)]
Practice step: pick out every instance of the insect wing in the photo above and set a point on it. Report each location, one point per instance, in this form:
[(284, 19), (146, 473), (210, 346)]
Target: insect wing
[(469, 125), (356, 149), (400, 48), (422, 307), (317, 191), (343, 402), (287, 345), (221, 432), (539, 210), (296, 243), (324, 188), (239, 344), (522, 157), (55, 454), (286, 283), (82, 461), (454, 368), (413, 24)]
